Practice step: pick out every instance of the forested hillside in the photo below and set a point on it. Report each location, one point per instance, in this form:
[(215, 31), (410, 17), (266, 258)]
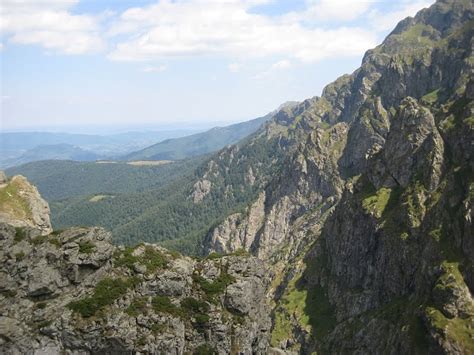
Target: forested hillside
[(359, 203), (60, 179), (199, 143)]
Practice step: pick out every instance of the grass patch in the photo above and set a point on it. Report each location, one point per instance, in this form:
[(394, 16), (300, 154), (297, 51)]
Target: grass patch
[(137, 307), (431, 97), (41, 305), (459, 330), (39, 240), (214, 256), (20, 234), (376, 203), (8, 293), (12, 202), (204, 349), (152, 258), (240, 252), (19, 256), (86, 247), (106, 292)]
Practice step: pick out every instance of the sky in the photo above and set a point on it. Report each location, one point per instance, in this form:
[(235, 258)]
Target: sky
[(70, 64)]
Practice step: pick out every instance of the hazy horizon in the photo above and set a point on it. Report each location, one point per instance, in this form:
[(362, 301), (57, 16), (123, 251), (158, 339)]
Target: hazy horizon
[(160, 63)]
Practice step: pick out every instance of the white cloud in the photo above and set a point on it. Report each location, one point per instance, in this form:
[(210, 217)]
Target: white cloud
[(234, 67), (387, 21), (282, 64), (278, 66), (154, 69), (49, 24), (330, 10), (206, 27)]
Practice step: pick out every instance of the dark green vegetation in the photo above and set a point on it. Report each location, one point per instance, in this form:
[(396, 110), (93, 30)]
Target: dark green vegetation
[(67, 181), (153, 204), (105, 293), (151, 258), (86, 247), (137, 307), (165, 213), (162, 304), (216, 287), (198, 144), (204, 349)]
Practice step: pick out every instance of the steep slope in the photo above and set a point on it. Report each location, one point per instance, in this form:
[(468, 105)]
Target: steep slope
[(199, 143), (361, 202), (74, 292), (393, 265), (21, 205)]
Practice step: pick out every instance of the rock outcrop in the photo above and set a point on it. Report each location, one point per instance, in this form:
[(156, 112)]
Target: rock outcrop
[(21, 204), (360, 219), (371, 210), (75, 292)]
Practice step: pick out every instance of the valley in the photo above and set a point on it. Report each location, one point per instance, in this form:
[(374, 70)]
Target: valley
[(338, 224)]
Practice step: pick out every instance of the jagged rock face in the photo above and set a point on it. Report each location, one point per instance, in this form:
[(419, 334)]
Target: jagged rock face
[(391, 191), (75, 292), (21, 204), (361, 203)]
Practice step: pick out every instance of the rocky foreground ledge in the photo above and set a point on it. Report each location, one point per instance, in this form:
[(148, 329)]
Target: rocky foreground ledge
[(74, 292)]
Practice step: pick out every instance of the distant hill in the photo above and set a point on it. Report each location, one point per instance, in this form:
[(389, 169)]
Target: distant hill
[(52, 152), (200, 143), (21, 147)]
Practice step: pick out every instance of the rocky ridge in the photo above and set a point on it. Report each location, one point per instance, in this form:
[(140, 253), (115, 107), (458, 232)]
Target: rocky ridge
[(361, 204), (372, 205), (74, 292)]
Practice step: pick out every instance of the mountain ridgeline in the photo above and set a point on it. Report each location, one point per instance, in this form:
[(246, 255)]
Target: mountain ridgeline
[(360, 202), (199, 143)]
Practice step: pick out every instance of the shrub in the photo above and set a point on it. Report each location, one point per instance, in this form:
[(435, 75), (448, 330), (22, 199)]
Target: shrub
[(215, 287), (105, 293), (204, 349), (193, 308), (19, 256), (213, 256), (153, 259), (39, 239), (138, 306), (162, 304), (86, 247), (20, 234), (193, 305)]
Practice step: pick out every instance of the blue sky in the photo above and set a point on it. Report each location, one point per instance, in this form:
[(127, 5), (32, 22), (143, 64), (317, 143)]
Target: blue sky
[(66, 64)]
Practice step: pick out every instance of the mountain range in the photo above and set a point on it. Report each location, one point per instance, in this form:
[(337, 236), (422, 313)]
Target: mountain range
[(342, 225)]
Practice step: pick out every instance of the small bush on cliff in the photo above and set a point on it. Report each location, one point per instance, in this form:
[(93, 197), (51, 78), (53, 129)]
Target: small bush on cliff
[(193, 308), (137, 307), (162, 304), (152, 258), (106, 292), (86, 247), (216, 287), (204, 349)]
